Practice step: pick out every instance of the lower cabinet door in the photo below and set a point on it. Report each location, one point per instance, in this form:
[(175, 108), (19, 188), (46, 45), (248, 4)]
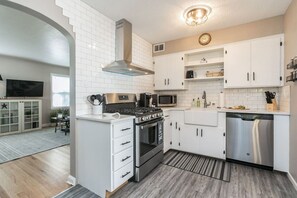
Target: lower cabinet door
[(167, 134), (212, 142), (175, 135), (122, 175), (189, 138)]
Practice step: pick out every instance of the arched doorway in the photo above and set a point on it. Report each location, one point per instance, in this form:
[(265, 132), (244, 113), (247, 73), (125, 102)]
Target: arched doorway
[(46, 13)]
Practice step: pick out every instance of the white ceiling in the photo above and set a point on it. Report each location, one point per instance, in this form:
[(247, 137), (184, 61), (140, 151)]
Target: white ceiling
[(160, 20), (24, 36)]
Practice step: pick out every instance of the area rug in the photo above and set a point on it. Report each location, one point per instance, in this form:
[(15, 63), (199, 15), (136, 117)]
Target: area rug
[(77, 192), (211, 167), (23, 144)]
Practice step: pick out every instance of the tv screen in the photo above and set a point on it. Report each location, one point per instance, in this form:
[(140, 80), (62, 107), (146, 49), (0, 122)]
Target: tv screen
[(22, 88)]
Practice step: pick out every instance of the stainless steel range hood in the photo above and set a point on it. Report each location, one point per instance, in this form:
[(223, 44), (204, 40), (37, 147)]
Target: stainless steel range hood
[(123, 51)]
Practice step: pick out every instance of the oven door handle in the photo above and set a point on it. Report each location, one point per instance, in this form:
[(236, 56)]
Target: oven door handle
[(152, 124)]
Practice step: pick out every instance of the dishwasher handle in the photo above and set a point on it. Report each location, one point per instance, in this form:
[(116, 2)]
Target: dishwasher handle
[(250, 117)]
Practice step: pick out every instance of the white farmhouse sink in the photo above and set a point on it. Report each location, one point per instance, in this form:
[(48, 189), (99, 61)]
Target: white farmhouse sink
[(201, 116)]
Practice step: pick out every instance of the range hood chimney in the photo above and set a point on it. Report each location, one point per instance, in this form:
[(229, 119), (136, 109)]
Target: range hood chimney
[(123, 51)]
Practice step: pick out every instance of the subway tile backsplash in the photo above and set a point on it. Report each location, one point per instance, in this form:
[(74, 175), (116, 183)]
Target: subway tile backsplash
[(253, 98)]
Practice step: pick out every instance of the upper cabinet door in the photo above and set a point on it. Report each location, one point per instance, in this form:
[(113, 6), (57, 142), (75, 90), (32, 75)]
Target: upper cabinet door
[(237, 60), (266, 62), (176, 71), (161, 74), (169, 72)]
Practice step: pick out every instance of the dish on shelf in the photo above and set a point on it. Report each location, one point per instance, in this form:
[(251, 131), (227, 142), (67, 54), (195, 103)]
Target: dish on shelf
[(215, 73)]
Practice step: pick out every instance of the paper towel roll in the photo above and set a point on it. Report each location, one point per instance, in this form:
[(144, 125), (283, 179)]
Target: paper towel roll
[(221, 100)]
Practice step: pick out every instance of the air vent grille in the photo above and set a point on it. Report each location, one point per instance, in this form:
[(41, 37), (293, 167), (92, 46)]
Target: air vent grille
[(160, 47)]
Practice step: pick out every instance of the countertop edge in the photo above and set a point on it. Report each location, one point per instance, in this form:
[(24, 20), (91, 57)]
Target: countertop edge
[(231, 111), (90, 117)]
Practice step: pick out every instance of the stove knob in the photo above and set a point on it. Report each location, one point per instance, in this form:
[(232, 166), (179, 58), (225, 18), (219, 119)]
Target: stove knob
[(154, 115), (143, 119), (148, 117)]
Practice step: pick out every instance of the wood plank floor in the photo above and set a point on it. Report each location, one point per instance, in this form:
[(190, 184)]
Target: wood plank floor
[(37, 176), (246, 182)]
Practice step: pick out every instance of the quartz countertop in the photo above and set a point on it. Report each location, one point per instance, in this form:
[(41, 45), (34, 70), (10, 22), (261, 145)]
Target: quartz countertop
[(256, 111), (105, 118)]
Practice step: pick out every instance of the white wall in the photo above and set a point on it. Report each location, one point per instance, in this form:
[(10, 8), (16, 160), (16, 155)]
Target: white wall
[(22, 69), (95, 46)]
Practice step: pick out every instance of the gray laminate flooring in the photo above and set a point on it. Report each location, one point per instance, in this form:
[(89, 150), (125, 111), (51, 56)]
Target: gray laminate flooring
[(246, 182), (77, 192)]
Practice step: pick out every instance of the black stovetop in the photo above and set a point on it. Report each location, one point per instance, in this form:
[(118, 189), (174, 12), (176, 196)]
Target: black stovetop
[(131, 109)]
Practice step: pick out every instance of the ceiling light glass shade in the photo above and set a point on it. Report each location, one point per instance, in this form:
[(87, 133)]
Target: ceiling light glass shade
[(196, 15)]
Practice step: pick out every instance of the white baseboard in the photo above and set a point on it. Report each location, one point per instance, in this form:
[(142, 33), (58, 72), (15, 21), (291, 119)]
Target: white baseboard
[(71, 180), (292, 181)]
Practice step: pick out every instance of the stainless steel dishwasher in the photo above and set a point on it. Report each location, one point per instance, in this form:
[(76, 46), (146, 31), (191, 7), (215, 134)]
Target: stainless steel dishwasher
[(250, 138)]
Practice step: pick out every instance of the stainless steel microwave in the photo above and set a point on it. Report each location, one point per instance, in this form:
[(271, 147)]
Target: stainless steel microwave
[(167, 100)]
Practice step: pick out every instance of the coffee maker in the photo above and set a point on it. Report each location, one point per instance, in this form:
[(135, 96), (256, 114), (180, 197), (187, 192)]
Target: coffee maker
[(148, 100)]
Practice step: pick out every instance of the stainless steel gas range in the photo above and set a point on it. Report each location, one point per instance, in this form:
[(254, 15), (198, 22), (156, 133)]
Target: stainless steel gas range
[(148, 130)]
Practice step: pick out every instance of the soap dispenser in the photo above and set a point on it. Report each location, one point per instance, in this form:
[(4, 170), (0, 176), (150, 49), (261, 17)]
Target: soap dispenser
[(198, 102), (193, 103)]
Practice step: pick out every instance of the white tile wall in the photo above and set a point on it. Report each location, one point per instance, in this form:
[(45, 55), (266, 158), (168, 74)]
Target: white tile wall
[(95, 47), (251, 98)]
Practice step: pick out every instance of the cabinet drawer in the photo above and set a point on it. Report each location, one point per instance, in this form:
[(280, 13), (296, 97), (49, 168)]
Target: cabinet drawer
[(122, 143), (123, 128), (122, 158), (122, 175)]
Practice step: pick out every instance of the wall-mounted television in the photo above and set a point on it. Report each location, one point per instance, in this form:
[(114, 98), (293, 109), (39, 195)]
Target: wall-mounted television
[(23, 88)]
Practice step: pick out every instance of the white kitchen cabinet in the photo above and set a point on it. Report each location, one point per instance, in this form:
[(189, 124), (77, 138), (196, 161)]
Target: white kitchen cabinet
[(199, 139), (169, 72), (167, 131), (189, 138), (105, 158), (281, 142), (266, 62), (211, 142), (177, 120), (254, 63), (237, 61)]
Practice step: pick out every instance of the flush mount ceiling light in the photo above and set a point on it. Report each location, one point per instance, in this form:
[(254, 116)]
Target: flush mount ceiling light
[(197, 14)]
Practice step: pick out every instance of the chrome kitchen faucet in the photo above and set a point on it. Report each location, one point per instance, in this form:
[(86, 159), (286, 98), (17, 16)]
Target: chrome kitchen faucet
[(204, 98)]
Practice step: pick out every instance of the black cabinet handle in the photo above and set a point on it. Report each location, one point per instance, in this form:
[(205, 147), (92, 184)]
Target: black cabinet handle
[(165, 81), (179, 128), (168, 81), (248, 76), (201, 132), (254, 76), (125, 129), (176, 125), (126, 158), (197, 131), (124, 143), (127, 173)]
